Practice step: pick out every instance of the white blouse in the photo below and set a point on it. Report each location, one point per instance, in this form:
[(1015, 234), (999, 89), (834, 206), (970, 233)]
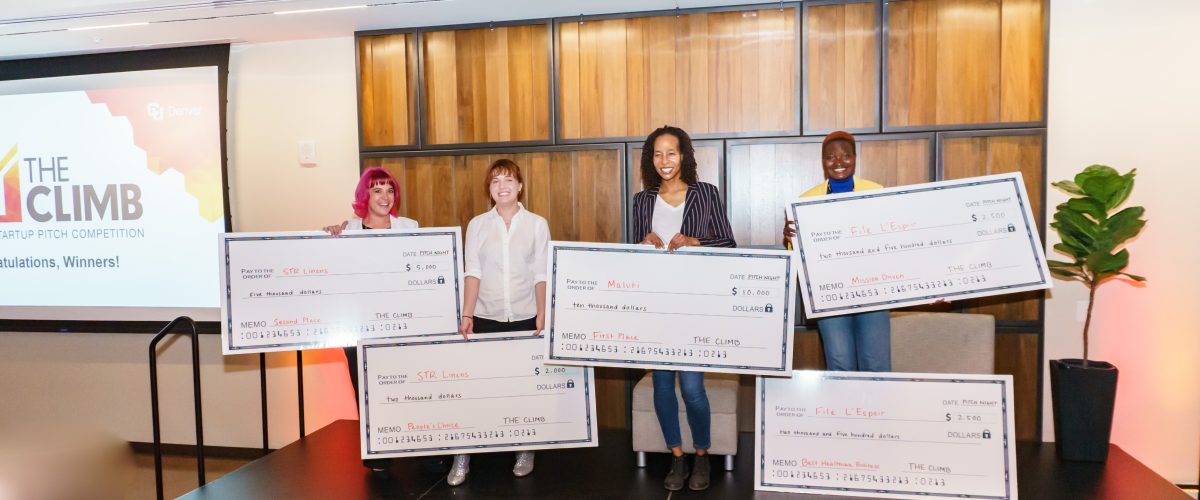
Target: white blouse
[(668, 220), (508, 263)]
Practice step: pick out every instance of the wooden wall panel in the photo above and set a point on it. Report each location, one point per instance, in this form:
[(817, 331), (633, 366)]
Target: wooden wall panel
[(387, 89), (954, 62), (762, 178), (1022, 61), (975, 156), (578, 192), (718, 72), (487, 85), (1017, 355), (841, 48)]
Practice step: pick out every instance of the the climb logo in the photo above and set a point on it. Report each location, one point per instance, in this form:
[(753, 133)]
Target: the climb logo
[(10, 196)]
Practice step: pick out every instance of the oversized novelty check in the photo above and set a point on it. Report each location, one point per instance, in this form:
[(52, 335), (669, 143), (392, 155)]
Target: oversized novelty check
[(696, 309), (306, 290), (910, 245), (886, 435), (490, 393)]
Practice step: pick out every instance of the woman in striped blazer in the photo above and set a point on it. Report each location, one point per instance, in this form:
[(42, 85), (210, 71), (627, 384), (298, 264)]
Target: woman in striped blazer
[(677, 210)]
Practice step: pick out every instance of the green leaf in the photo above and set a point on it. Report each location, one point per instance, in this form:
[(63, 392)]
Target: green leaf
[(1103, 188), (1067, 274), (1070, 219), (1134, 277), (1088, 206), (1125, 224), (1103, 263), (1069, 187), (1095, 171), (1071, 250), (1072, 237), (1120, 196), (1067, 270)]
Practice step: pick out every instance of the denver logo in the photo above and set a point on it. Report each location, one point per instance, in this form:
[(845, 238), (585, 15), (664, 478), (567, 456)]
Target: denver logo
[(10, 196)]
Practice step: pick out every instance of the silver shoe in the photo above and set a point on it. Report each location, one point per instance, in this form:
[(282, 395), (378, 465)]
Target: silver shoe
[(459, 470), (524, 464)]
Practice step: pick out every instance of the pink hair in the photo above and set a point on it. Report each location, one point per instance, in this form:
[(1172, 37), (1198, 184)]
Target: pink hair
[(372, 177)]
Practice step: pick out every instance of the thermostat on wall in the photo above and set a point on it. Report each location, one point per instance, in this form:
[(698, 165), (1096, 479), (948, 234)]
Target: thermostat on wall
[(308, 153)]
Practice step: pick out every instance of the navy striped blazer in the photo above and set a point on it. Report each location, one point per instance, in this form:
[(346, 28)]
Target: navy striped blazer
[(703, 216)]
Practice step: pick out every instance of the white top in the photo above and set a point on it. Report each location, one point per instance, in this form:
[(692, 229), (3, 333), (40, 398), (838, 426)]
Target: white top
[(667, 219), (397, 223), (508, 263)]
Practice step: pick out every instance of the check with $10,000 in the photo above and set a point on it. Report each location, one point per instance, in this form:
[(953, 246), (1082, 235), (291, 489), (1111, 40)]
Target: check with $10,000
[(695, 309)]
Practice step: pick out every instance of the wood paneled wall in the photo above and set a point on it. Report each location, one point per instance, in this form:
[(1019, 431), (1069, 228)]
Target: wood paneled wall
[(763, 176), (718, 72), (723, 74), (948, 63), (578, 192), (487, 84), (841, 67), (1017, 355), (997, 154), (387, 89), (952, 62)]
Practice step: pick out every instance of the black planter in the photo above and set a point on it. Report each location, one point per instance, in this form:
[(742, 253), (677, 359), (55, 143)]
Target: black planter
[(1083, 399)]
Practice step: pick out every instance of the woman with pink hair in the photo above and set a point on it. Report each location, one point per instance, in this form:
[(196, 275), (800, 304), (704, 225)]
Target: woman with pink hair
[(374, 204), (374, 208)]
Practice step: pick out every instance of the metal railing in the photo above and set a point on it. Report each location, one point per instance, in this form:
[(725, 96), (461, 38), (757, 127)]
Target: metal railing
[(158, 472)]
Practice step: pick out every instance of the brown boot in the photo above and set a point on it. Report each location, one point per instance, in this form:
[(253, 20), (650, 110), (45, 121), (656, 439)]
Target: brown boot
[(678, 474), (700, 472)]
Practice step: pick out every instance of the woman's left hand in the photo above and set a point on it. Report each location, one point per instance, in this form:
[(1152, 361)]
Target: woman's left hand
[(680, 241), (539, 325)]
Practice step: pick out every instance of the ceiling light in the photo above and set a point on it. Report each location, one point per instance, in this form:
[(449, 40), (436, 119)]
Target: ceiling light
[(326, 9), (106, 26)]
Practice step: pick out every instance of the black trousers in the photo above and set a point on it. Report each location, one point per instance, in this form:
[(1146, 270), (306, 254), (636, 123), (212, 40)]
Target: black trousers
[(484, 325), (352, 365)]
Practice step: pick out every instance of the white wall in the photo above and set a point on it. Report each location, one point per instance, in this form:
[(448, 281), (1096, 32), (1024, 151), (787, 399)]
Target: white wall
[(1123, 92), (279, 93)]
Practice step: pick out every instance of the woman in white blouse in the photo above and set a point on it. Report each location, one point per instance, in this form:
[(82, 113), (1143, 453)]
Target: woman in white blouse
[(505, 288)]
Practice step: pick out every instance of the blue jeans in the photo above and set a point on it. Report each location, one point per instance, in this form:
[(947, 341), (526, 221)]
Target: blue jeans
[(695, 400), (857, 342)]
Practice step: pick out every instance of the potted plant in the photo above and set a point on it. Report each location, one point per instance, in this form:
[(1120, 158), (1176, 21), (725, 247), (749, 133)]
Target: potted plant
[(1083, 391)]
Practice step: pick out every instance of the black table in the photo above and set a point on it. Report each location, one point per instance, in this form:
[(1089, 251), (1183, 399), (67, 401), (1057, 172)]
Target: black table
[(326, 465)]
